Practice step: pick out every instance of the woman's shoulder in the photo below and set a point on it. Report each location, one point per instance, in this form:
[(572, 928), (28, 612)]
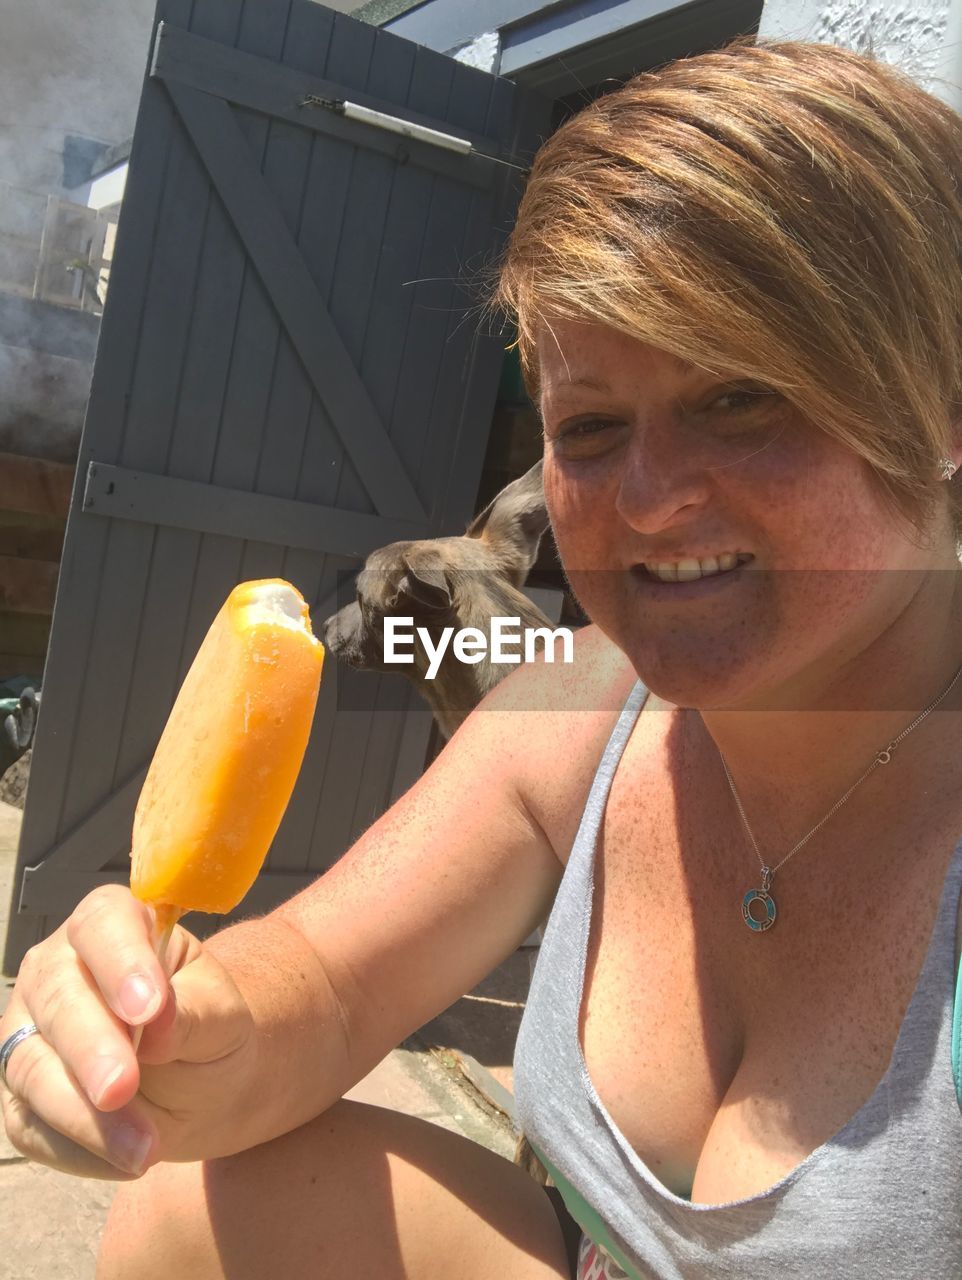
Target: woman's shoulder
[(591, 678), (555, 719)]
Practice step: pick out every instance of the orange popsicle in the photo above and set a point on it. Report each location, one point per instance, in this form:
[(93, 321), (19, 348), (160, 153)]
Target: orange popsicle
[(229, 756)]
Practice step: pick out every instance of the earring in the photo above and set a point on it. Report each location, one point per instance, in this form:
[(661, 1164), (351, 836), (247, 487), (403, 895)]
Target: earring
[(949, 468)]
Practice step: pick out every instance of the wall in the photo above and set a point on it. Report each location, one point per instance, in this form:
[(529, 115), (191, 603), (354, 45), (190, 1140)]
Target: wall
[(923, 37)]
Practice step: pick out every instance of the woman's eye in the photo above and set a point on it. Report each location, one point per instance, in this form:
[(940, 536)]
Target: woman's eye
[(579, 430), (741, 399), (741, 411), (589, 435)]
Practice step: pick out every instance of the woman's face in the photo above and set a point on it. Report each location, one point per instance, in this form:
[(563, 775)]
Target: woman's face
[(651, 462)]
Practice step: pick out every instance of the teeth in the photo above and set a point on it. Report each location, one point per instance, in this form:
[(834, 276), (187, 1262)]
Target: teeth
[(689, 569)]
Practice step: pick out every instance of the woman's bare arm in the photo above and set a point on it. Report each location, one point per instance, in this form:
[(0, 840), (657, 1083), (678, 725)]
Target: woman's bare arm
[(272, 1020), (455, 876)]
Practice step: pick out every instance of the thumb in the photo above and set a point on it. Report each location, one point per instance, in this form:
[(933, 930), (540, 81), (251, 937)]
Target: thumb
[(205, 1018)]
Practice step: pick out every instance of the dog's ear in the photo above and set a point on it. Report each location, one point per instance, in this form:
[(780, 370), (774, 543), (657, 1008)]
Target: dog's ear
[(425, 580), (514, 522)]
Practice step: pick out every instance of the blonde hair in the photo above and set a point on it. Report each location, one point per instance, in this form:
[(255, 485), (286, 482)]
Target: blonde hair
[(785, 211)]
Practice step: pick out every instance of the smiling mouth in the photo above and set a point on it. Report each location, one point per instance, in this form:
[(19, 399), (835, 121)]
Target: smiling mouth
[(693, 570)]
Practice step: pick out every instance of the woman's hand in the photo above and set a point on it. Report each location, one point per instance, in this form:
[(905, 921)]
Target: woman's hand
[(78, 1097)]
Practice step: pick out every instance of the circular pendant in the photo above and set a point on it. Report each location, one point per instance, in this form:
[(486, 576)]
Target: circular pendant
[(757, 921)]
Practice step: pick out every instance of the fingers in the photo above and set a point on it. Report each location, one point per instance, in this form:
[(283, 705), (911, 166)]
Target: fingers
[(105, 980), (72, 1100), (72, 1134), (78, 1097), (112, 934), (204, 1020), (41, 1144), (58, 992)]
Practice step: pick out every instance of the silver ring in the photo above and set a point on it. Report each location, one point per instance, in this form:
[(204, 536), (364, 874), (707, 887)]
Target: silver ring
[(10, 1044)]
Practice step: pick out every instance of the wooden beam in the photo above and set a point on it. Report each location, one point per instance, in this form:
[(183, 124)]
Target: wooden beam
[(35, 485), (207, 508), (27, 586)]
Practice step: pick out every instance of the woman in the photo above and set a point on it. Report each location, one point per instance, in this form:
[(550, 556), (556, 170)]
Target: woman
[(738, 293)]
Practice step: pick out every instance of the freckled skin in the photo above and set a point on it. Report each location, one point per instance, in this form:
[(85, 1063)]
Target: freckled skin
[(671, 475), (724, 1058)]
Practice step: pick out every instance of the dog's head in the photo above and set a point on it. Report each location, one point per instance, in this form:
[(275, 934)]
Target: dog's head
[(448, 582)]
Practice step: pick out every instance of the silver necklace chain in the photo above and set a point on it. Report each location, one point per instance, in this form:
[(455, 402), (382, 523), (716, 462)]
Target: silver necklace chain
[(881, 757)]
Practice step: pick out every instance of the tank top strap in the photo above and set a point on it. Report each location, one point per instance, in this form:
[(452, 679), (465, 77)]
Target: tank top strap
[(598, 795)]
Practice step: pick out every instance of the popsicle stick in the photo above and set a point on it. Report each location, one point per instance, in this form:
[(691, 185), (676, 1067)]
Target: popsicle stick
[(165, 918)]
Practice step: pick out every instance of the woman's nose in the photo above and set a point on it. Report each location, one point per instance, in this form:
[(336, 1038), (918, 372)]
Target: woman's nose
[(659, 486)]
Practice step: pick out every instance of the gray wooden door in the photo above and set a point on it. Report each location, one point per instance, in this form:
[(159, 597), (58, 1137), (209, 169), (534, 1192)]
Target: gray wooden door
[(289, 375)]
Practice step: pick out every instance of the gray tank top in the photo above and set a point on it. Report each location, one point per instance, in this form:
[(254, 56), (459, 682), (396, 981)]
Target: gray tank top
[(882, 1198)]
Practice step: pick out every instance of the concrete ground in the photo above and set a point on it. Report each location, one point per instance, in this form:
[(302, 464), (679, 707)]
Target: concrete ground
[(456, 1073)]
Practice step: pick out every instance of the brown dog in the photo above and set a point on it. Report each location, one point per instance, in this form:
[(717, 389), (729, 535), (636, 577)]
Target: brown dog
[(453, 582)]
